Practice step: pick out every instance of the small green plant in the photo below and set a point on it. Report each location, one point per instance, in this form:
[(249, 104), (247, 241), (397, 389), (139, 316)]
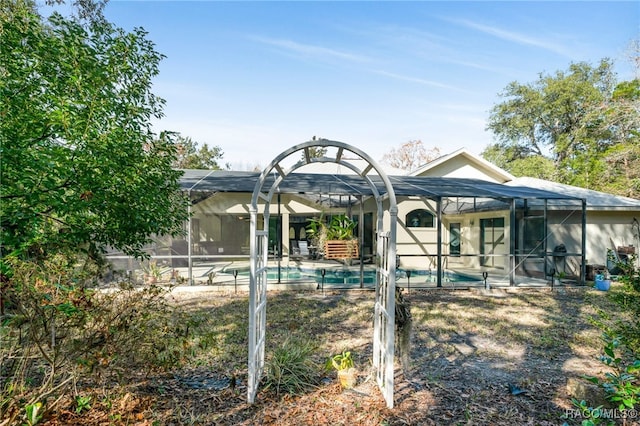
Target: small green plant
[(291, 369), (34, 413), (341, 227), (621, 384), (341, 361), (83, 403), (152, 271), (591, 416)]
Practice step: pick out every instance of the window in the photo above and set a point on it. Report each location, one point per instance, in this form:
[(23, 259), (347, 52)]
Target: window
[(419, 219)]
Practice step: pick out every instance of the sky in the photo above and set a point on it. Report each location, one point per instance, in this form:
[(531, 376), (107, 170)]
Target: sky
[(256, 78)]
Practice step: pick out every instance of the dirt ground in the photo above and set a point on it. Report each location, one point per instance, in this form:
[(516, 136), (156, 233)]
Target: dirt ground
[(471, 352)]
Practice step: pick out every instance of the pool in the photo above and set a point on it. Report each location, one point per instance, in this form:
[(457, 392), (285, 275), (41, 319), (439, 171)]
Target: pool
[(340, 276), (332, 275)]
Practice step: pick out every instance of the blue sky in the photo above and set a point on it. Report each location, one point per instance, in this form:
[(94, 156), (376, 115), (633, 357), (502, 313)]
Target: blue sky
[(256, 78)]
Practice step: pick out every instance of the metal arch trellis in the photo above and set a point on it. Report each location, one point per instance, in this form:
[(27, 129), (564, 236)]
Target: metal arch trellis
[(384, 314)]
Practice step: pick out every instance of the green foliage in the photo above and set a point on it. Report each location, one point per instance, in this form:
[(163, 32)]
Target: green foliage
[(630, 275), (592, 416), (56, 329), (33, 413), (621, 384), (152, 270), (580, 121), (80, 166), (621, 345), (83, 403), (341, 361), (536, 166), (626, 322), (314, 152), (340, 227), (189, 156), (291, 369)]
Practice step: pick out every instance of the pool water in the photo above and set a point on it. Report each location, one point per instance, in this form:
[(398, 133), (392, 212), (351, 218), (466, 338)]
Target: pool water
[(352, 276)]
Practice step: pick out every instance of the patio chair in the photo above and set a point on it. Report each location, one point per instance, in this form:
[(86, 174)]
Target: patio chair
[(303, 248)]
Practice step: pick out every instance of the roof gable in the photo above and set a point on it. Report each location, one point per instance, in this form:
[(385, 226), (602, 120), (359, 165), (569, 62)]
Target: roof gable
[(463, 164)]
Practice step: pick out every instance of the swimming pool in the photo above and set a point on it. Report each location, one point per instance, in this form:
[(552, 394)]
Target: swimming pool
[(350, 277)]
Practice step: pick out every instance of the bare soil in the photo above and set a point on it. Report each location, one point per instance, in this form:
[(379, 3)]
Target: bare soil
[(469, 350)]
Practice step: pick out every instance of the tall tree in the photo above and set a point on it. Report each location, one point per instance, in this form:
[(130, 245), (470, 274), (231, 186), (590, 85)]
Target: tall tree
[(622, 159), (572, 119), (80, 165), (189, 156), (410, 155)]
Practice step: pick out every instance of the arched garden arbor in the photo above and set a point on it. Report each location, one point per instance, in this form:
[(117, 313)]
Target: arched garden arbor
[(384, 314)]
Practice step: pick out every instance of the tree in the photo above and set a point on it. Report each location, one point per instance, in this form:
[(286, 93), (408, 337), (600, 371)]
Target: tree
[(572, 119), (80, 169), (80, 166), (410, 155), (188, 156), (314, 151), (622, 159), (537, 166)]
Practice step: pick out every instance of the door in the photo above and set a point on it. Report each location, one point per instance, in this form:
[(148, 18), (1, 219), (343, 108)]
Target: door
[(492, 242)]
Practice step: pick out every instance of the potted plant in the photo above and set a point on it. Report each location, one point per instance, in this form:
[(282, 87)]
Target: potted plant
[(334, 240), (152, 272), (343, 364), (561, 276), (317, 234)]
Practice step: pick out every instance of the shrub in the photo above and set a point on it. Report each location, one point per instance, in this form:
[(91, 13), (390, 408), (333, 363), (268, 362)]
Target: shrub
[(290, 370), (57, 328), (626, 322), (621, 383)]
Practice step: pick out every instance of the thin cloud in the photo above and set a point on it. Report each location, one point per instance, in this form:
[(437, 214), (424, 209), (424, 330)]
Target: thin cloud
[(513, 36), (310, 50), (417, 80)]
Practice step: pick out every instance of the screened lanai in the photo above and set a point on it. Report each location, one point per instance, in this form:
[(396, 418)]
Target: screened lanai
[(451, 232)]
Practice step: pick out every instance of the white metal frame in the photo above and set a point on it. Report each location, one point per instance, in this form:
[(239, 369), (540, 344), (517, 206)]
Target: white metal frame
[(384, 323)]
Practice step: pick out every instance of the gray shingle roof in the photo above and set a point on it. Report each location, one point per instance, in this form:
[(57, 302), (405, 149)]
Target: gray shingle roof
[(302, 183)]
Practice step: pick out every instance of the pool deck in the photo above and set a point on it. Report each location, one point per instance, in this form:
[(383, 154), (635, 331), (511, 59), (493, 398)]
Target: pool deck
[(220, 276)]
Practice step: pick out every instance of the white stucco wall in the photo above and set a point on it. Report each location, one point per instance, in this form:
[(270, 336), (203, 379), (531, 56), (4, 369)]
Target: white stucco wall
[(609, 230)]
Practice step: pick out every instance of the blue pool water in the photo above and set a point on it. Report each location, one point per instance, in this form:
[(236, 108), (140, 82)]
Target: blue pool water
[(352, 276)]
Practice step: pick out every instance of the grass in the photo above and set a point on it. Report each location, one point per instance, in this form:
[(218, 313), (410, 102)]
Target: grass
[(465, 348)]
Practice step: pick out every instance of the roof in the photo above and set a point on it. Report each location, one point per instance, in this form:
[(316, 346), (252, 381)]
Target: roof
[(332, 167), (462, 163), (595, 200), (343, 184)]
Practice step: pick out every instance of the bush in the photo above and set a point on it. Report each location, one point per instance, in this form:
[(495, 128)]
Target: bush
[(291, 369), (626, 322), (57, 328), (621, 383)]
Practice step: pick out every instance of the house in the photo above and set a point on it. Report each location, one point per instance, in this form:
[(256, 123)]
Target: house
[(611, 220), (459, 214), (611, 223)]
